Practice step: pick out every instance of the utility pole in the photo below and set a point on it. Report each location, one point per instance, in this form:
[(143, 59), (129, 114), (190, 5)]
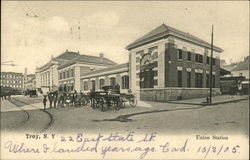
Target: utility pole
[(211, 66)]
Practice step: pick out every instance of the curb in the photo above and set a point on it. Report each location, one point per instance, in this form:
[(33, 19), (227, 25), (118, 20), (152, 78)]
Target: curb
[(206, 104)]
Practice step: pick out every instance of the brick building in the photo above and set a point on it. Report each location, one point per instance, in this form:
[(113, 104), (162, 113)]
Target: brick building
[(168, 64), (12, 79)]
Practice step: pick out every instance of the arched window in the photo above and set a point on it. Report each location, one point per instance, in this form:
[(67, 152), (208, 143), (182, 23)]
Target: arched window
[(146, 72)]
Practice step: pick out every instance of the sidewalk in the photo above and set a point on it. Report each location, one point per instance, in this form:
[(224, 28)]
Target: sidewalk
[(215, 100)]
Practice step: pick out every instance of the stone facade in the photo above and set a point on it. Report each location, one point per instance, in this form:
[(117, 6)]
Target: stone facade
[(172, 94)]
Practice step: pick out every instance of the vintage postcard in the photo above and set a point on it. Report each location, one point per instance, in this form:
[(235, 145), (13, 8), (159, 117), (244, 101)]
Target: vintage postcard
[(124, 80)]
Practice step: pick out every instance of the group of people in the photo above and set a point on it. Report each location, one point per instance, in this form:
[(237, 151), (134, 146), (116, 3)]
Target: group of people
[(61, 99)]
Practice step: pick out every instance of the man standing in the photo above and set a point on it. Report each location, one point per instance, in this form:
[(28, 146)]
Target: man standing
[(44, 101), (55, 98), (50, 96)]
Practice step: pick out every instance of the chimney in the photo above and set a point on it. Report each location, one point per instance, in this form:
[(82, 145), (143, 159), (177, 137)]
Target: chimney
[(67, 50), (101, 57), (52, 57)]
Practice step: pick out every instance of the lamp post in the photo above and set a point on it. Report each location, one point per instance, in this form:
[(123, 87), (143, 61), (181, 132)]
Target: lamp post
[(211, 66)]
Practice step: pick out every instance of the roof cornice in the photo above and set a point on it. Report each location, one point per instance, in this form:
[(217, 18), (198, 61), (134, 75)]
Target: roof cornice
[(170, 33)]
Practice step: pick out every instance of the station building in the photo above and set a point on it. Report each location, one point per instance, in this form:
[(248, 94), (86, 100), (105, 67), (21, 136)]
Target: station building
[(169, 64), (165, 64)]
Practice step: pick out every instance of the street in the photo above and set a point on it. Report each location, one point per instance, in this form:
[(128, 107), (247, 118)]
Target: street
[(26, 114)]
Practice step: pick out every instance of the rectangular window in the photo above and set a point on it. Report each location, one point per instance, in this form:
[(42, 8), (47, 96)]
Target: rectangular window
[(85, 85), (179, 54), (125, 82), (213, 61), (93, 84), (64, 75), (179, 78), (199, 58), (196, 58), (102, 82), (208, 60), (198, 80), (189, 56), (188, 79)]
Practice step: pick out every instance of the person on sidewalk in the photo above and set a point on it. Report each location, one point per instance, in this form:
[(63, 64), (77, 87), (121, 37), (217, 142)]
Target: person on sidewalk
[(55, 98), (44, 101), (50, 96)]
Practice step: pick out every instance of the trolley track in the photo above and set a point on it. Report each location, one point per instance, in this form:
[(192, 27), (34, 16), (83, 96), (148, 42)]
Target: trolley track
[(27, 115), (19, 103)]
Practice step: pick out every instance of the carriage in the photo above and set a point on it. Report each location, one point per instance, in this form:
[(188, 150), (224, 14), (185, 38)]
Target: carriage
[(111, 97)]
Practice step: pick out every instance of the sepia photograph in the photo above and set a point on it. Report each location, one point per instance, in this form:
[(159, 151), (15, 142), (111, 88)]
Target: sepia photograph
[(124, 79)]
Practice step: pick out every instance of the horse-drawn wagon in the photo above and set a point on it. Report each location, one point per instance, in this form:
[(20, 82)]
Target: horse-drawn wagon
[(109, 97)]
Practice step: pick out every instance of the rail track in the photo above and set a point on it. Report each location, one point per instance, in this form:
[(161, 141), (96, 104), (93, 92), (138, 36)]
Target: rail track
[(19, 103)]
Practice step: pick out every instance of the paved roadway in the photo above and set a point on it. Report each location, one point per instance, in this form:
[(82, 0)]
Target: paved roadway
[(146, 117)]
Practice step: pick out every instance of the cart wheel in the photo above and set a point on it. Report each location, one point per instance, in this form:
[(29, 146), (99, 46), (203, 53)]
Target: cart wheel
[(83, 102), (117, 105), (122, 100), (87, 101), (133, 102)]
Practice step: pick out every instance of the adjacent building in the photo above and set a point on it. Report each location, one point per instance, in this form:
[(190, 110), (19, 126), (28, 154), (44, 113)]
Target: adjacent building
[(63, 72), (117, 74), (69, 73), (12, 79)]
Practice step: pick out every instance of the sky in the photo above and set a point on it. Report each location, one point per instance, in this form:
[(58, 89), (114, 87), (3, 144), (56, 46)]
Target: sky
[(34, 31)]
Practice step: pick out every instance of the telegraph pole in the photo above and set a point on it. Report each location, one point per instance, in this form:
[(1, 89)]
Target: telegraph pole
[(211, 65)]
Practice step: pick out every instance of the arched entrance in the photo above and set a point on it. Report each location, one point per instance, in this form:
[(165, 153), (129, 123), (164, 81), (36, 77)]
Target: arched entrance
[(146, 72)]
